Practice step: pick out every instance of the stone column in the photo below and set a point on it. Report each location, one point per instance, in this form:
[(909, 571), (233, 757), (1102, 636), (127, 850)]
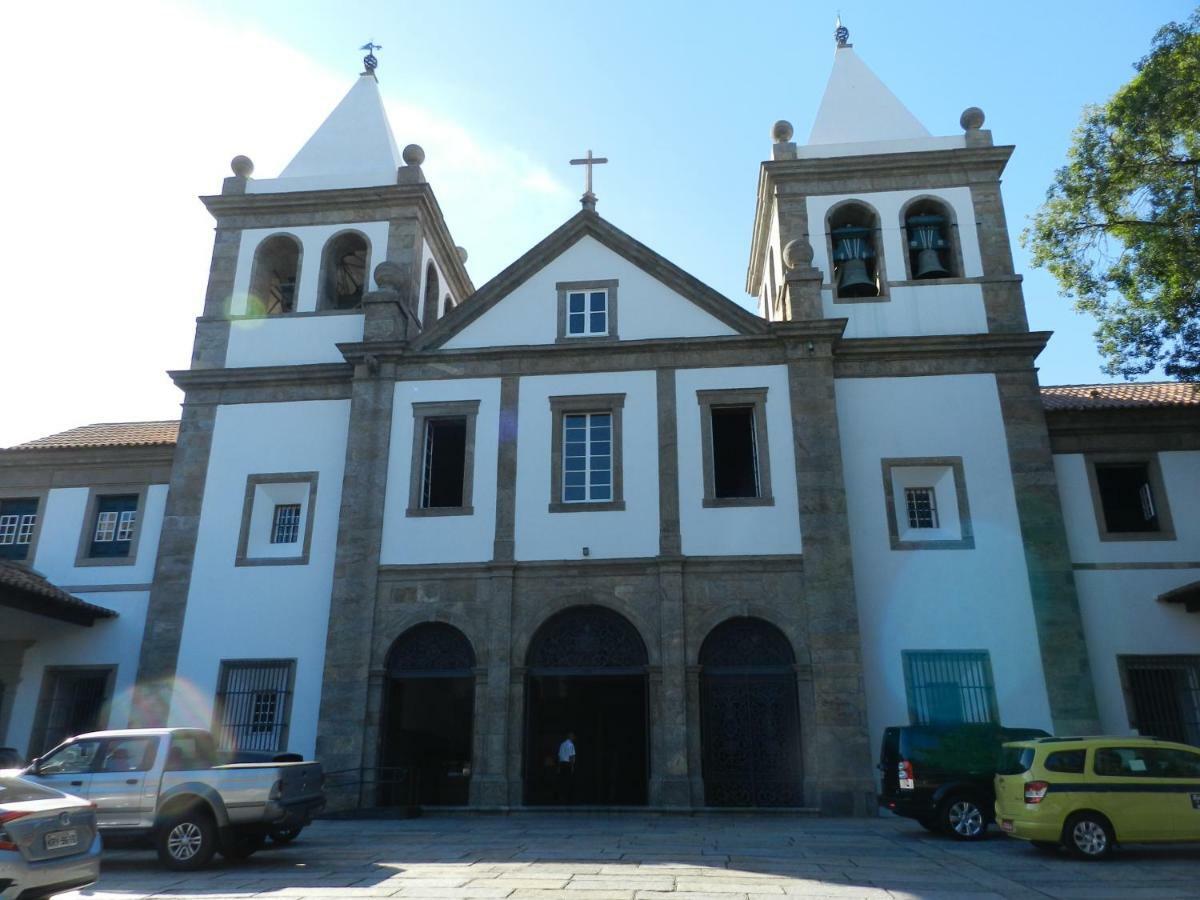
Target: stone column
[(212, 329), (1047, 557), (694, 747), (1003, 301)]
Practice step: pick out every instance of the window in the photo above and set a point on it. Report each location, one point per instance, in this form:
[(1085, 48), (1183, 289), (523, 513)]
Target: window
[(930, 233), (74, 759), (128, 755), (949, 686), (921, 505), (274, 276), (253, 704), (74, 700), (278, 512), (1129, 499), (1068, 761), (854, 249), (285, 526), (587, 310), (1163, 696), (113, 529), (733, 431), (18, 521), (925, 501), (443, 458), (344, 267), (586, 453)]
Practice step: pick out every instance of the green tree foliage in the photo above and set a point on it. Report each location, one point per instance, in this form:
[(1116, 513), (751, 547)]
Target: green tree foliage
[(1120, 229)]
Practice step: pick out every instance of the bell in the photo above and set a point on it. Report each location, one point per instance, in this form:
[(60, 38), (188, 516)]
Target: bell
[(853, 280), (929, 264)]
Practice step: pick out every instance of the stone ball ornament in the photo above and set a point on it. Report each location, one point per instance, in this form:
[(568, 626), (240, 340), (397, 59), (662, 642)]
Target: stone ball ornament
[(797, 254), (971, 118), (462, 254), (243, 166), (782, 131), (413, 155), (389, 275)]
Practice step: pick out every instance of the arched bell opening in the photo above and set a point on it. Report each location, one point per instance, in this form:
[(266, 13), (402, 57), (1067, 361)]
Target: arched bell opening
[(586, 676), (432, 291), (274, 276), (428, 716), (749, 716), (931, 239), (344, 266), (857, 258), (447, 304)]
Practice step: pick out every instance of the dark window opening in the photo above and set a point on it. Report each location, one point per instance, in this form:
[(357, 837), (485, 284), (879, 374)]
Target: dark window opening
[(344, 272), (445, 463), (1164, 696), (927, 231), (1126, 497), (273, 279), (73, 701), (853, 229), (113, 529), (735, 454), (18, 518), (430, 311)]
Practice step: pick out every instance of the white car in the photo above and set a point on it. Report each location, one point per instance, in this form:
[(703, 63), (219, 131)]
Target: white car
[(49, 842)]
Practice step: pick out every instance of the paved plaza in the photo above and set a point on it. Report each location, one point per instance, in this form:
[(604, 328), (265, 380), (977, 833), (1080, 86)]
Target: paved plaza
[(640, 857)]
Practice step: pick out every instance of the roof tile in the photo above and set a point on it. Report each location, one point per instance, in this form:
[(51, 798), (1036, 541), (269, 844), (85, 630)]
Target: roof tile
[(109, 434), (1154, 394)]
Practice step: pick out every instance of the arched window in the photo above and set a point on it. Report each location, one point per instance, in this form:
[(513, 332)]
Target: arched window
[(929, 232), (857, 262), (274, 276), (432, 290), (447, 304), (344, 267)]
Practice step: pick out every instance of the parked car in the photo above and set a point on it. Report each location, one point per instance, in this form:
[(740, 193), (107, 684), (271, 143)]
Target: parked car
[(49, 842), (166, 786), (1088, 794), (941, 775)]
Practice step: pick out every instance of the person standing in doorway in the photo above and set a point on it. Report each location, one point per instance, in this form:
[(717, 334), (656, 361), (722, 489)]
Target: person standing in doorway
[(566, 769)]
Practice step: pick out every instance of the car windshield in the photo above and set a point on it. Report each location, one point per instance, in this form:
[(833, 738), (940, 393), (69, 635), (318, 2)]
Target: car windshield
[(70, 759), (18, 790), (1014, 760)]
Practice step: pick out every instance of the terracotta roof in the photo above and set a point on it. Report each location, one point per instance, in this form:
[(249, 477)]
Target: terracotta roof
[(23, 588), (1121, 396), (109, 434)]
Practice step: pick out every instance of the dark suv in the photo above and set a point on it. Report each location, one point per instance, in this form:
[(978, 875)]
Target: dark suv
[(941, 775)]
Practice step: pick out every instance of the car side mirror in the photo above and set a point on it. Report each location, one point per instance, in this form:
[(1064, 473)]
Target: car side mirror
[(35, 765)]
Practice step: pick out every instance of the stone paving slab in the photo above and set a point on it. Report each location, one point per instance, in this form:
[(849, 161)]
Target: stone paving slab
[(635, 857)]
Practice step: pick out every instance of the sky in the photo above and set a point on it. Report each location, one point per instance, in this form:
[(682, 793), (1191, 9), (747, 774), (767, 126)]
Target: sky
[(117, 116)]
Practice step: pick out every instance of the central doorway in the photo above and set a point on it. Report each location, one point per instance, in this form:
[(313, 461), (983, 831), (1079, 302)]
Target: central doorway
[(586, 675), (428, 711)]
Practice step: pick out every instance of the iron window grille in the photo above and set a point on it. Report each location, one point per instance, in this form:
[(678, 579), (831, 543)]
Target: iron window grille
[(587, 313), (1163, 696), (949, 686), (285, 524), (921, 504), (253, 705), (587, 457)]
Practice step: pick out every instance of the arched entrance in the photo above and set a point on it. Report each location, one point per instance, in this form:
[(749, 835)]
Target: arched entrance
[(428, 709), (587, 676), (749, 716)]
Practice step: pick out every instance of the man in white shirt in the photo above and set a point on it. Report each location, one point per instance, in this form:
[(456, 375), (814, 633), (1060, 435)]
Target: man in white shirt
[(566, 768)]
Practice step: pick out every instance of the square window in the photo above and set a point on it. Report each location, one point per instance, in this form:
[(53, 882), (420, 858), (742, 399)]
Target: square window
[(285, 525), (1129, 498), (114, 527), (253, 704), (587, 310), (278, 517), (949, 686), (925, 503), (921, 505)]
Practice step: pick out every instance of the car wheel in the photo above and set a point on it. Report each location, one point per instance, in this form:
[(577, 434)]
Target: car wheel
[(285, 835), (963, 818), (1088, 836), (187, 840), (243, 844), (1046, 846)]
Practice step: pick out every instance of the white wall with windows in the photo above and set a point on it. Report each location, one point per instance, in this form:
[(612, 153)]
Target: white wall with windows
[(647, 308), (942, 598), (266, 611), (607, 534)]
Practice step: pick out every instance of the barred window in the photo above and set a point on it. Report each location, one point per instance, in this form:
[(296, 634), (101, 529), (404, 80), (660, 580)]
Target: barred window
[(285, 524), (587, 457), (18, 518), (949, 686), (253, 704), (921, 503), (116, 522), (1163, 696)]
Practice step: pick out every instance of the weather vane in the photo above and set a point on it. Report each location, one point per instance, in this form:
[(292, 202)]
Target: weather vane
[(369, 61)]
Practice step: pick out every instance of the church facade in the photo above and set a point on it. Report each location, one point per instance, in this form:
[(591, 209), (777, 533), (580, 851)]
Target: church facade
[(423, 530)]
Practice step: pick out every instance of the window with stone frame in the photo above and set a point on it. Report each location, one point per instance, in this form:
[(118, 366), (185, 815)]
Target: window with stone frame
[(949, 687), (443, 458), (1129, 498), (735, 452), (18, 522), (586, 454), (587, 310), (253, 704), (114, 525), (926, 504), (278, 515)]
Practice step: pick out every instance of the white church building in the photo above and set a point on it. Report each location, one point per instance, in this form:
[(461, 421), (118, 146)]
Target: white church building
[(422, 530)]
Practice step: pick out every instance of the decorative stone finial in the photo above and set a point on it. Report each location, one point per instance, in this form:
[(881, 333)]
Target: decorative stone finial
[(971, 118), (389, 275), (370, 63), (462, 254), (782, 131), (243, 166), (413, 155), (841, 33), (797, 254)]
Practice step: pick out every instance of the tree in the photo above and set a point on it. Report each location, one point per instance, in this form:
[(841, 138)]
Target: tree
[(1120, 229)]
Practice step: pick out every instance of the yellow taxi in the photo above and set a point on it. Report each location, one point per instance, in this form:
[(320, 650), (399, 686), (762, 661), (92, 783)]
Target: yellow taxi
[(1088, 794)]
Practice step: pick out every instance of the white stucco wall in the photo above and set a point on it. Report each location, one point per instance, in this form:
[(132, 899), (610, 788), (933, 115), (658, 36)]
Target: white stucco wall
[(284, 340), (938, 599), (263, 612), (910, 309), (1118, 581), (441, 539), (631, 532), (736, 530), (646, 308)]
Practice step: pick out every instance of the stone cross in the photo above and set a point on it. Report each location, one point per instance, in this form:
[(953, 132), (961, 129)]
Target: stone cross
[(589, 199)]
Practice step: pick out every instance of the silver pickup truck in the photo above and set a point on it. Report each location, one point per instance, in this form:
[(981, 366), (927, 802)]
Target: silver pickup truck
[(166, 785)]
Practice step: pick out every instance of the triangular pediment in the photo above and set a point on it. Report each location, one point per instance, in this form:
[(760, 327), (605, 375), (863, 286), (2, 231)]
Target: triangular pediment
[(657, 299)]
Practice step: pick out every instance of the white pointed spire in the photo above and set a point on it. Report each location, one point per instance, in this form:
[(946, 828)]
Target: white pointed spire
[(354, 147)]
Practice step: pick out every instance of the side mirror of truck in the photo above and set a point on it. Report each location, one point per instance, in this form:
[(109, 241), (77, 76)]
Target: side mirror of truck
[(35, 765)]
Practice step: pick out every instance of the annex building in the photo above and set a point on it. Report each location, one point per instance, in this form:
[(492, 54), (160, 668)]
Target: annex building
[(423, 529)]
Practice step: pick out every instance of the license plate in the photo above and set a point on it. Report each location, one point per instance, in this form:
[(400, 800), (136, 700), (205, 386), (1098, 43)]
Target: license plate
[(57, 840), (906, 784), (1006, 824)]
